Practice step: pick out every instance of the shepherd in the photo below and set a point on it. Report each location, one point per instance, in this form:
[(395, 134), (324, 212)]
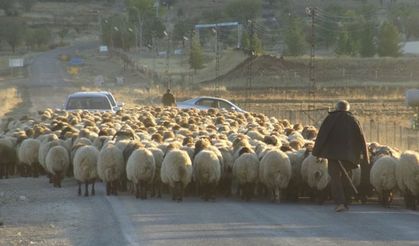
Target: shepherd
[(341, 140)]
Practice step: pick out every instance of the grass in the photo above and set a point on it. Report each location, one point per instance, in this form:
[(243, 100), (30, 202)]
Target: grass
[(9, 98)]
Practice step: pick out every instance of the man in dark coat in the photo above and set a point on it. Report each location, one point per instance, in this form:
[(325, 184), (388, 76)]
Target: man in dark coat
[(341, 141), (168, 99)]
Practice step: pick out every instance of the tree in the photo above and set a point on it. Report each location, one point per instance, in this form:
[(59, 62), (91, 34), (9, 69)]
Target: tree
[(388, 41), (196, 58), (183, 28), (295, 41), (366, 43), (243, 10), (12, 30), (9, 7), (343, 46)]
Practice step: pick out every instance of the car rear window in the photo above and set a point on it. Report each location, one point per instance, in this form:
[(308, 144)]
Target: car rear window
[(100, 103)]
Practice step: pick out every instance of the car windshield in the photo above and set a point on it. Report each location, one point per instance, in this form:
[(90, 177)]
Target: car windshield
[(100, 103)]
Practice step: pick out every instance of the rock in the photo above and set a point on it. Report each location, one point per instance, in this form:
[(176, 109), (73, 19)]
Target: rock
[(22, 198)]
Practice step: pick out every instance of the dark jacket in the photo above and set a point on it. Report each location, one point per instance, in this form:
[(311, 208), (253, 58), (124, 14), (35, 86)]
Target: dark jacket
[(168, 99), (340, 138)]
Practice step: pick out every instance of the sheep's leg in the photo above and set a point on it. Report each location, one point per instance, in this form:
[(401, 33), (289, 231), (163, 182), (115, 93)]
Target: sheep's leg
[(79, 191), (86, 188), (93, 187), (159, 184), (59, 179), (137, 190), (213, 191), (145, 190), (272, 195), (108, 188), (115, 187)]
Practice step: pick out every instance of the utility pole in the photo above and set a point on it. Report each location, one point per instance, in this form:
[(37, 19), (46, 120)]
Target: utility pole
[(217, 62), (250, 67), (311, 11), (166, 33)]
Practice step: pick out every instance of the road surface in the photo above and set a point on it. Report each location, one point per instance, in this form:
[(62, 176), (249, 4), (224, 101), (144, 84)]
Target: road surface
[(35, 213)]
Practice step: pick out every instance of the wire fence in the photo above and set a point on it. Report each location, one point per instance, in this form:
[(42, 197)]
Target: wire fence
[(387, 132)]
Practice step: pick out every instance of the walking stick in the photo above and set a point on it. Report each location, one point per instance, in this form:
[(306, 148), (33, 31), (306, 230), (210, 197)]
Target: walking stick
[(349, 178)]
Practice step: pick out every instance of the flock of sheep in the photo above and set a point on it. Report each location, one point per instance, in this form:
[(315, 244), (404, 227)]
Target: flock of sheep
[(155, 149)]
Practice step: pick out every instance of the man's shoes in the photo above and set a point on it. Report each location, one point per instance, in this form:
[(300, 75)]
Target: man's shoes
[(341, 208)]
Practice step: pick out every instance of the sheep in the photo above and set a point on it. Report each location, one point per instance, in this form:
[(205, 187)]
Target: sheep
[(407, 175), (207, 172), (28, 157), (8, 158), (246, 172), (296, 185), (176, 171), (383, 178), (57, 162), (140, 170), (110, 166), (275, 172), (85, 168), (158, 159), (315, 174)]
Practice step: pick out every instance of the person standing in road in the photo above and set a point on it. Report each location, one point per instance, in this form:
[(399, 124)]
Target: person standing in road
[(168, 99), (341, 140)]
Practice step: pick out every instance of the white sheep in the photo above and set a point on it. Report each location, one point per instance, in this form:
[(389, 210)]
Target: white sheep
[(110, 166), (383, 178), (28, 157), (85, 168), (207, 172), (407, 175), (275, 172), (246, 172), (140, 170), (315, 174), (176, 171), (57, 163)]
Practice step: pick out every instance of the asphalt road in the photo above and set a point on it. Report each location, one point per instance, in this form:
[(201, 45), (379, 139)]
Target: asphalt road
[(67, 219)]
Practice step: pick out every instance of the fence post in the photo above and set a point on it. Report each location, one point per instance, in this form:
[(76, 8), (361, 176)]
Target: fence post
[(370, 130), (394, 134), (402, 146)]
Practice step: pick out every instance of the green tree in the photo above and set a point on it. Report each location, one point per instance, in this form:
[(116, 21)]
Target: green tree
[(388, 41), (412, 29), (243, 10), (366, 43), (295, 40), (327, 34), (343, 46), (12, 30), (9, 7), (196, 57), (183, 28)]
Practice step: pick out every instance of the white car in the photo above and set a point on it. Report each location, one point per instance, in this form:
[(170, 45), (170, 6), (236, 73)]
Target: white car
[(205, 102), (102, 101)]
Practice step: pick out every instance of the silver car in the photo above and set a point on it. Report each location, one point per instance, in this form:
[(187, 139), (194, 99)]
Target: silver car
[(205, 102)]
